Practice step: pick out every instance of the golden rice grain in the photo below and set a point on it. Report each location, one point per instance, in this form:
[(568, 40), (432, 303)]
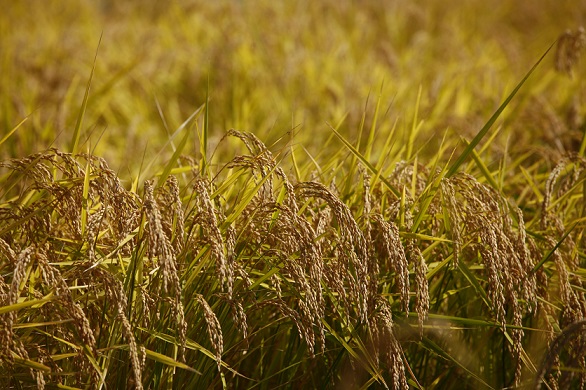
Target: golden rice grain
[(214, 329)]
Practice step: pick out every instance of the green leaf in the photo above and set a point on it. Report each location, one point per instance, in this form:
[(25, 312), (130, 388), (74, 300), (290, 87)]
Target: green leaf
[(13, 130), (482, 133), (159, 357), (246, 199), (78, 125), (370, 367), (433, 347), (368, 165), (204, 138), (475, 283), (25, 304), (173, 160), (31, 363), (551, 252)]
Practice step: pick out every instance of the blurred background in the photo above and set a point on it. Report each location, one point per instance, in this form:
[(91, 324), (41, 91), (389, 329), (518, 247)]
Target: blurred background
[(283, 70)]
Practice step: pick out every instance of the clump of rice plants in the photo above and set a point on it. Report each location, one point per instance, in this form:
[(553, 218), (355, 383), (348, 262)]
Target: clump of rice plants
[(249, 279)]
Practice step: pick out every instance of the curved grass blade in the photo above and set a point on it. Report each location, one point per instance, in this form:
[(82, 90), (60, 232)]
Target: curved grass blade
[(482, 133), (571, 331), (13, 130), (550, 253), (173, 160), (205, 134), (246, 199), (25, 304), (31, 363), (193, 346), (77, 131), (366, 163), (364, 361), (475, 283), (159, 357), (434, 348)]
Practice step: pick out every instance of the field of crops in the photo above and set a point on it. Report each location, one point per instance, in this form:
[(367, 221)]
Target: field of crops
[(323, 194)]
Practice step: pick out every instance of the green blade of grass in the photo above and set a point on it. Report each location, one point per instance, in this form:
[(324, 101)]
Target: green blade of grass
[(368, 165), (551, 252), (266, 380), (372, 132), (430, 190), (415, 126), (482, 133), (387, 147), (111, 83), (159, 357), (352, 352), (483, 168), (433, 347), (360, 126), (13, 130), (228, 182), (204, 137), (475, 283), (25, 304), (190, 344), (172, 161), (183, 126), (523, 354), (89, 354), (30, 363), (69, 344), (295, 164), (266, 276), (41, 324), (431, 273), (470, 322), (247, 198), (424, 237), (531, 183), (79, 123)]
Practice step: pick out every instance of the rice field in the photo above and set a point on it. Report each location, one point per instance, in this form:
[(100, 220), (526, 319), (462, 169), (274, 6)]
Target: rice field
[(328, 194)]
